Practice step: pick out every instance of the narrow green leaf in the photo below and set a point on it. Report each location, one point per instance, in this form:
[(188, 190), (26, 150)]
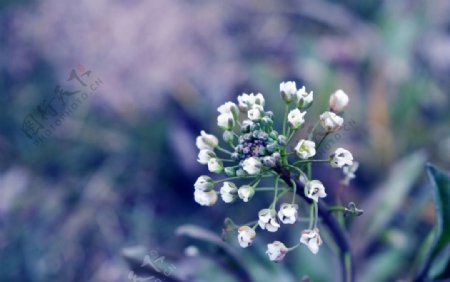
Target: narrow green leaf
[(436, 263)]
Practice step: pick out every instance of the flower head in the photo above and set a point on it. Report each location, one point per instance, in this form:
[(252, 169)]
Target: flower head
[(205, 155), (276, 251), (268, 220), (288, 91), (204, 183), (246, 192), (315, 190), (304, 99), (288, 213), (330, 121), (296, 118), (246, 235), (311, 238), (206, 141), (215, 165), (305, 149), (252, 165), (228, 192), (338, 101), (205, 198), (341, 157)]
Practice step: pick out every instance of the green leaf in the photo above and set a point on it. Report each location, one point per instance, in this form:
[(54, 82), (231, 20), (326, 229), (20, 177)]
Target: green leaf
[(437, 264)]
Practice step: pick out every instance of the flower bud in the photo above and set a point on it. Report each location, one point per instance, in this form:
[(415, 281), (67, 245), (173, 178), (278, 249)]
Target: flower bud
[(205, 198), (288, 91), (228, 136), (226, 121), (338, 101), (246, 192), (204, 183), (304, 99), (230, 171), (228, 192), (246, 235), (252, 165), (276, 251), (215, 165), (206, 141), (255, 113), (205, 155)]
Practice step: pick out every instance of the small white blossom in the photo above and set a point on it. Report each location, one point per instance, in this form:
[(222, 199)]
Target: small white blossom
[(296, 118), (255, 113), (246, 235), (205, 198), (311, 238), (349, 172), (215, 165), (229, 107), (246, 192), (288, 213), (288, 91), (204, 183), (228, 192), (226, 121), (341, 157), (304, 99), (205, 155), (305, 149), (315, 190), (330, 121), (338, 101), (252, 165), (276, 251), (268, 220), (206, 141), (247, 101)]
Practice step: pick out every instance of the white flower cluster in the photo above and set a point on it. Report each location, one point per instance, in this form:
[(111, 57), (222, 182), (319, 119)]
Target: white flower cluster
[(258, 150)]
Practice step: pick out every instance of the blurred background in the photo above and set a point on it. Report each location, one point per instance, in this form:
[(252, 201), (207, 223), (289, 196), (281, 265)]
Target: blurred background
[(102, 180)]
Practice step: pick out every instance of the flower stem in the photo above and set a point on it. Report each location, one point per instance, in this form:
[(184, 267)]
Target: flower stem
[(310, 161), (275, 197), (294, 186), (224, 150), (286, 109)]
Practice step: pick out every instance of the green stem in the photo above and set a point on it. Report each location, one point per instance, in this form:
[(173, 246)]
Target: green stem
[(310, 161), (275, 198), (224, 150), (311, 215), (286, 109), (294, 186)]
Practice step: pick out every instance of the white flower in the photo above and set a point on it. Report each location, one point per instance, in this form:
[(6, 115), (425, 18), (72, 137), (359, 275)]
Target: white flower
[(276, 251), (288, 213), (206, 141), (338, 101), (305, 149), (205, 198), (205, 155), (268, 220), (204, 183), (311, 238), (228, 192), (246, 192), (341, 157), (288, 90), (304, 99), (252, 165), (255, 113), (229, 107), (349, 172), (330, 121), (215, 165), (315, 190), (296, 118), (246, 235), (247, 101), (226, 121)]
